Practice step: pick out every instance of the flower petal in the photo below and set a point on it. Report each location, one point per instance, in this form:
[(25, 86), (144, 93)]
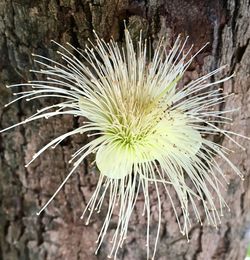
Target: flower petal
[(177, 136), (115, 160)]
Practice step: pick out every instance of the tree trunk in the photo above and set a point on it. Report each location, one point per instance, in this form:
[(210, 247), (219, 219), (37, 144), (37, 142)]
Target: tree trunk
[(26, 27)]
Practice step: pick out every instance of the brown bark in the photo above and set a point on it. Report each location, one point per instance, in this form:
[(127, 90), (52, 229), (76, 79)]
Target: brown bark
[(27, 26)]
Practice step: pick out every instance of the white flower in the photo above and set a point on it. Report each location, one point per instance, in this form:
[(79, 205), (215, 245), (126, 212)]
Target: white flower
[(147, 131)]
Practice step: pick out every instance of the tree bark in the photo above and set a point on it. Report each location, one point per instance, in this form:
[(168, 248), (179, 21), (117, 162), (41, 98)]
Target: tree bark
[(26, 27)]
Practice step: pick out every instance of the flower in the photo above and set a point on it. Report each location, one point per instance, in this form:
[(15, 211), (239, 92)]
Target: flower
[(148, 131)]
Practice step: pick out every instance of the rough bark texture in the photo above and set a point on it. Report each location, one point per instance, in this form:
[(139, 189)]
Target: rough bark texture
[(27, 26)]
